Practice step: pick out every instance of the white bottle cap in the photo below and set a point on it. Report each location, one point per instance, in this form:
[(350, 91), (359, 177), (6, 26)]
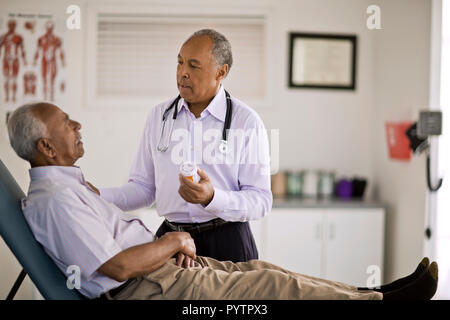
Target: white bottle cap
[(188, 169)]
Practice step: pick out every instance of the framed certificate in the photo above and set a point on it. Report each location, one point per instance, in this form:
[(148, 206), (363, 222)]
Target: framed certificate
[(325, 61)]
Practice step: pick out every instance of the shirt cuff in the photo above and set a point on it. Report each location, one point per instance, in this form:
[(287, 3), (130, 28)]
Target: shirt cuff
[(110, 250), (218, 202)]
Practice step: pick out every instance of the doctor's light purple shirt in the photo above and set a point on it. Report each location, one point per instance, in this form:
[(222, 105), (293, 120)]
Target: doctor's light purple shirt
[(241, 188)]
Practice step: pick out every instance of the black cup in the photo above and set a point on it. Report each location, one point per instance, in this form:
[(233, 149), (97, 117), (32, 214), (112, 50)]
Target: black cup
[(359, 186)]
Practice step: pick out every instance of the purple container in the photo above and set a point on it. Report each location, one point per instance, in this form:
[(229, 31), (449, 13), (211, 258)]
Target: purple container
[(344, 189)]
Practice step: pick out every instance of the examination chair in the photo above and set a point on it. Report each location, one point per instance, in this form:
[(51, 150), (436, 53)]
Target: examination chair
[(14, 229)]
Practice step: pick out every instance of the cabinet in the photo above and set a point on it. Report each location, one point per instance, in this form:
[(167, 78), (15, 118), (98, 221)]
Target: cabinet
[(336, 244), (353, 244), (293, 240)]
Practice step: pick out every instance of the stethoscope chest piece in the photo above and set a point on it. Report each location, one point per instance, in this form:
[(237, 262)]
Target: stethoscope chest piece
[(223, 147)]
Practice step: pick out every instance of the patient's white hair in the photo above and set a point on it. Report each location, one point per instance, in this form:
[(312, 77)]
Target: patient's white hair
[(25, 130)]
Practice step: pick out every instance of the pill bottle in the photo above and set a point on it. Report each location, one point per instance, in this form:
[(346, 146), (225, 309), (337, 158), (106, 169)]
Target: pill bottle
[(189, 170)]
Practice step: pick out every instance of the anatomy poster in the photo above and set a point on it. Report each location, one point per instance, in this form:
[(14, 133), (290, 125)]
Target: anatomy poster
[(33, 61)]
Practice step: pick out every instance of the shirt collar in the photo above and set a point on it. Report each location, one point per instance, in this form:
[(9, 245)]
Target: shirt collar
[(57, 173), (217, 106)]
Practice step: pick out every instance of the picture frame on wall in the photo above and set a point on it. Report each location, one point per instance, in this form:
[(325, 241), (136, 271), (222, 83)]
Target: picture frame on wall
[(323, 61)]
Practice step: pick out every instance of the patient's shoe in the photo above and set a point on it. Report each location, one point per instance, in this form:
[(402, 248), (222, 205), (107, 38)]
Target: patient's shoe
[(423, 288), (398, 284)]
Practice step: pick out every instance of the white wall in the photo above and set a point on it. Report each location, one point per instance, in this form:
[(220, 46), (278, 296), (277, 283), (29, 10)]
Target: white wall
[(341, 130), (401, 65)]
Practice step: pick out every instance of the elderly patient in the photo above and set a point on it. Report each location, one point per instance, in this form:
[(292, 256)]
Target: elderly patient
[(119, 257)]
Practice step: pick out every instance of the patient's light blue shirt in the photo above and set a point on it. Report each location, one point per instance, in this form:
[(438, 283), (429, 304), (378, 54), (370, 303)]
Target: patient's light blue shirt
[(77, 227)]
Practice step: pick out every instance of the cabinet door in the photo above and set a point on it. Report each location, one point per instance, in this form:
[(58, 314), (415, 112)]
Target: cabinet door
[(354, 240), (294, 240)]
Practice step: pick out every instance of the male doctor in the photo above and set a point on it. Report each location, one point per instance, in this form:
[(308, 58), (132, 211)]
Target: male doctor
[(234, 176)]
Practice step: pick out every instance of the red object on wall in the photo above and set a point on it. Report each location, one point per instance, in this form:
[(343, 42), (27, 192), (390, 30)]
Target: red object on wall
[(397, 140)]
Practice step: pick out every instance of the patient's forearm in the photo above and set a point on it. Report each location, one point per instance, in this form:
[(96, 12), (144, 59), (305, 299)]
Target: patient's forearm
[(145, 258)]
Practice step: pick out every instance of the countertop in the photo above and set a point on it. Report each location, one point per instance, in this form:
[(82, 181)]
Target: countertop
[(325, 203)]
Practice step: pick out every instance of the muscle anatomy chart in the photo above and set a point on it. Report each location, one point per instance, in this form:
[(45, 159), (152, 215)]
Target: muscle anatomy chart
[(33, 59), (12, 46), (49, 45)]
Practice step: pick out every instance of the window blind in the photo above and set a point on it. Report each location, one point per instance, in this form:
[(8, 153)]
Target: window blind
[(137, 54)]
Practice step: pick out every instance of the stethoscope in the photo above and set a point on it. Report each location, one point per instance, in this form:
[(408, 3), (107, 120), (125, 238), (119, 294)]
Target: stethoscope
[(223, 147)]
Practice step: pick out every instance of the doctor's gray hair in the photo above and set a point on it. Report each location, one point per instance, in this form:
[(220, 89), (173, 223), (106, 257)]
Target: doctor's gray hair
[(25, 130), (221, 49)]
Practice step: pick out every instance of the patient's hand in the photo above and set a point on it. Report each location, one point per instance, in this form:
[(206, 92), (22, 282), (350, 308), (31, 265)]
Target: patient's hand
[(185, 243), (184, 261), (93, 188)]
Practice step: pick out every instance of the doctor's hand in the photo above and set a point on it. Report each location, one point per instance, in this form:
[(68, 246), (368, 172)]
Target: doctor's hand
[(201, 192)]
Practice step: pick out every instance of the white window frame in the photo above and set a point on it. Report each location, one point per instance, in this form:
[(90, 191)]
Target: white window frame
[(92, 101)]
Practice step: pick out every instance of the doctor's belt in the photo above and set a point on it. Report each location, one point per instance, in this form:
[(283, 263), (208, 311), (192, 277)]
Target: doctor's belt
[(195, 227)]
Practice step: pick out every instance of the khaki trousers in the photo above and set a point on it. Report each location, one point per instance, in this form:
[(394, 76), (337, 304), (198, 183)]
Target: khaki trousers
[(211, 279)]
